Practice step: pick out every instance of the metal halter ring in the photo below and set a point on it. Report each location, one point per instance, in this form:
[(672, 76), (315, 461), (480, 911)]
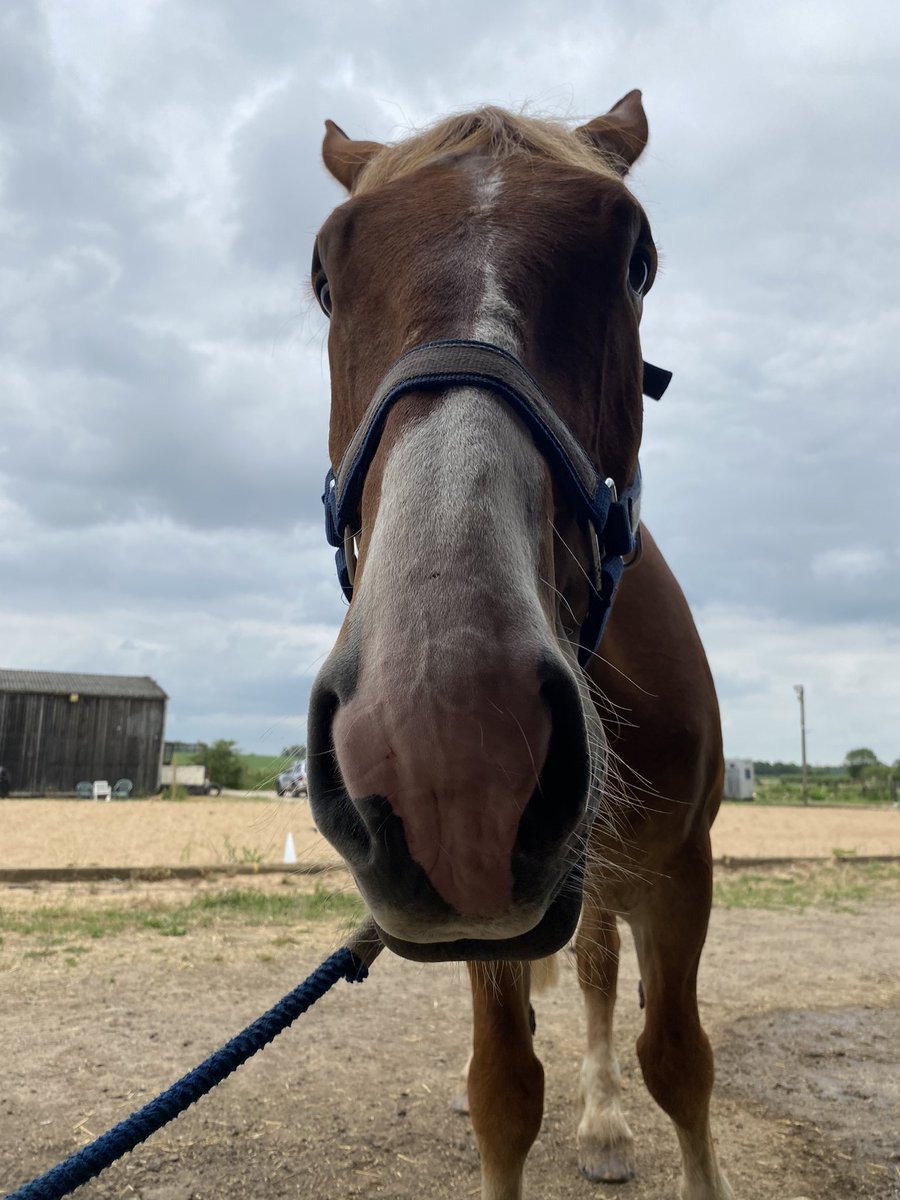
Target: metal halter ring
[(350, 554)]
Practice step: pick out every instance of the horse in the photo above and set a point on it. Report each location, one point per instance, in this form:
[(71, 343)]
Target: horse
[(492, 775)]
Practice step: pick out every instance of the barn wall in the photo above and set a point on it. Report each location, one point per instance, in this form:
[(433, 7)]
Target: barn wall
[(49, 743)]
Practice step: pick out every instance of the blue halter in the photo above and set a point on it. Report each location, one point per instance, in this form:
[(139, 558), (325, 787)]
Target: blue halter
[(612, 519)]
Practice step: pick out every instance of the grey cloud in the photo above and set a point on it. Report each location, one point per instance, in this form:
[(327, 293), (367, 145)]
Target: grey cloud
[(284, 192), (162, 377), (26, 80), (235, 574)]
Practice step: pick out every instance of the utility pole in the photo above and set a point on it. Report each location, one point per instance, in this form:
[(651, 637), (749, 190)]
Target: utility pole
[(798, 688)]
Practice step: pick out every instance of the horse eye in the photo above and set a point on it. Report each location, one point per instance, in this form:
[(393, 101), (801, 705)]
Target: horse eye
[(323, 295), (638, 272)]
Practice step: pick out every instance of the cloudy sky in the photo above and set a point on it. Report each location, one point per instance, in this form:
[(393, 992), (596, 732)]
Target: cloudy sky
[(163, 381)]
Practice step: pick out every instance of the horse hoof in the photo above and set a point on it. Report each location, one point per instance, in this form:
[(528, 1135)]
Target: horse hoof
[(611, 1164), (460, 1104)]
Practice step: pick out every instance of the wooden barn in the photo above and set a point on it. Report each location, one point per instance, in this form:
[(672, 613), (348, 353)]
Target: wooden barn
[(59, 729)]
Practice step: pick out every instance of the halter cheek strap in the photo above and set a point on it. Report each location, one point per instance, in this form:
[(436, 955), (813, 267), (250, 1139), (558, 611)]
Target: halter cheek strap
[(611, 519)]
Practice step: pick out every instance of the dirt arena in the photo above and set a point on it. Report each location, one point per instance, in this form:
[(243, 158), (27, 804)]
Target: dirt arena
[(802, 1005), (239, 831)]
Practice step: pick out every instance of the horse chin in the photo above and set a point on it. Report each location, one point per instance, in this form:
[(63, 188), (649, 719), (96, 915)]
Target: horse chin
[(550, 934)]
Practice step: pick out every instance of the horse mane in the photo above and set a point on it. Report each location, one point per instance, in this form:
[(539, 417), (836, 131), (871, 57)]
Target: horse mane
[(500, 133)]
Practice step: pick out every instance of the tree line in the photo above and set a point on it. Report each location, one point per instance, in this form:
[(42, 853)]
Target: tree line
[(859, 764)]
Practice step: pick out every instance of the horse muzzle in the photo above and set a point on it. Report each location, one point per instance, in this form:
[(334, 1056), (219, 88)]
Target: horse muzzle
[(463, 826)]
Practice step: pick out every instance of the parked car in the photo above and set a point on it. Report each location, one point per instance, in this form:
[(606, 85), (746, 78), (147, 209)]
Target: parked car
[(292, 782)]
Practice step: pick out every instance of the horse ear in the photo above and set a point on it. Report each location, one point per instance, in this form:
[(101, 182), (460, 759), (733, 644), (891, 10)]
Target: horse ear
[(622, 132), (344, 157)]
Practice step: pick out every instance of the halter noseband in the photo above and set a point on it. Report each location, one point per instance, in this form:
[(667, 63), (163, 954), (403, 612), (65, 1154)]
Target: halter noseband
[(612, 520)]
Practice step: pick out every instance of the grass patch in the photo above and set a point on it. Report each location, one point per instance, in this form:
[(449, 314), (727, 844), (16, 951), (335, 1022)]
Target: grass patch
[(58, 925), (280, 908), (227, 852), (837, 886), (242, 855), (285, 939)]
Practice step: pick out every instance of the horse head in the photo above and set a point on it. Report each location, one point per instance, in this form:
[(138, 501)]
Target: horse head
[(455, 757)]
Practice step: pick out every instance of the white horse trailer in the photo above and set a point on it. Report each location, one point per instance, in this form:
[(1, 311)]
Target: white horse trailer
[(193, 778), (738, 778)]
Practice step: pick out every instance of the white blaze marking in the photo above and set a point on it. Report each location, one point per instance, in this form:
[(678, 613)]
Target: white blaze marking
[(427, 491), (487, 189), (495, 318)]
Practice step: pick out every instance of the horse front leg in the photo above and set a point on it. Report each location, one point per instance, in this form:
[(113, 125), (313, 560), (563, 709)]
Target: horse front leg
[(506, 1080), (605, 1143), (673, 1050)]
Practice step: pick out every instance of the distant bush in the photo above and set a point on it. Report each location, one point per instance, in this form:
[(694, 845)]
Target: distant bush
[(859, 763), (223, 761)]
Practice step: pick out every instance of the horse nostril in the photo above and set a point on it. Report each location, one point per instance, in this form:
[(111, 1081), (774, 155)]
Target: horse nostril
[(558, 803), (332, 810)]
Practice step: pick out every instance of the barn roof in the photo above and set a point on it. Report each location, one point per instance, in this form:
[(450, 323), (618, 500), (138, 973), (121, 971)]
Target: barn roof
[(64, 683)]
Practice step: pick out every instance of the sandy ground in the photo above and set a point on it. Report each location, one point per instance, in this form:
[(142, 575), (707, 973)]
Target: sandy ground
[(202, 832), (769, 832), (803, 1010), (148, 833)]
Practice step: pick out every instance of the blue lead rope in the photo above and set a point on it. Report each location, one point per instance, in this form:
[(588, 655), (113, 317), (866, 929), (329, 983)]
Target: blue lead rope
[(92, 1159)]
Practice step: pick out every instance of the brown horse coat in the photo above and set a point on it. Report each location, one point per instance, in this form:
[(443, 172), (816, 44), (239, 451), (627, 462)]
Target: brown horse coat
[(469, 771)]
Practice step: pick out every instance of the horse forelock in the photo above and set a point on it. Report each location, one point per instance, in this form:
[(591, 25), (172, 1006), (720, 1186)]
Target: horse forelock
[(492, 131)]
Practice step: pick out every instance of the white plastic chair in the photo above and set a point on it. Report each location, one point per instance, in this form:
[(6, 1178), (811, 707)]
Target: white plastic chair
[(101, 790)]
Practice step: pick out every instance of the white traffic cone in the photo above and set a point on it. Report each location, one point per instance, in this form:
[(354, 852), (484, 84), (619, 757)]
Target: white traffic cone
[(290, 854)]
